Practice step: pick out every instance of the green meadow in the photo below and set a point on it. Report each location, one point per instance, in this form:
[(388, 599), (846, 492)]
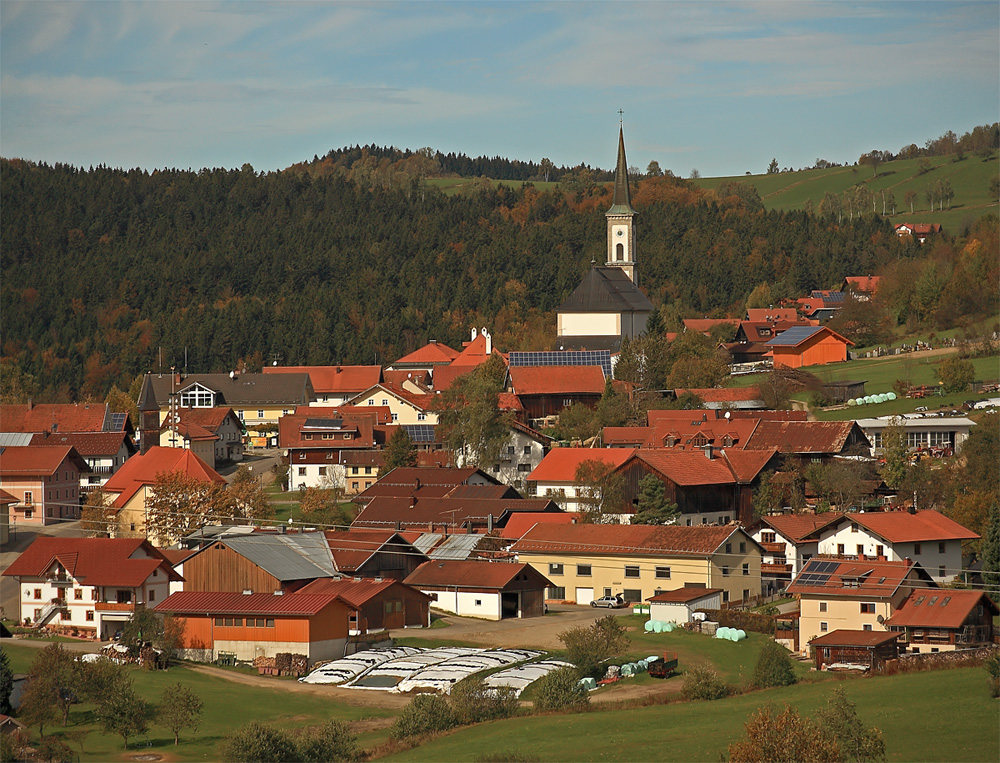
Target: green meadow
[(930, 716)]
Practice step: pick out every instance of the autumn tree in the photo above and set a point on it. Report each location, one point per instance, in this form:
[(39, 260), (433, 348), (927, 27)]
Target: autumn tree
[(400, 450), (600, 492), (839, 482), (324, 507), (248, 496), (470, 420), (6, 683), (840, 721), (124, 713), (772, 168), (98, 519), (588, 646), (146, 626), (178, 504), (653, 508), (653, 169), (773, 736), (895, 453), (956, 373), (180, 708), (990, 553)]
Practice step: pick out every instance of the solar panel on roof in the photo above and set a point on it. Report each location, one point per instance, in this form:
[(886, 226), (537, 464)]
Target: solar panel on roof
[(323, 424), (420, 432), (794, 335), (600, 358), (115, 421)]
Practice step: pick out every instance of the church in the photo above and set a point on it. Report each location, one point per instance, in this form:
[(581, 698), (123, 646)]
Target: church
[(607, 305)]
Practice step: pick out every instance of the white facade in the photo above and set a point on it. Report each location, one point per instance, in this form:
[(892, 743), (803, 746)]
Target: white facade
[(466, 604), (519, 457), (921, 431), (681, 612), (795, 555), (303, 475), (102, 467), (60, 600), (589, 324), (403, 411), (942, 560)]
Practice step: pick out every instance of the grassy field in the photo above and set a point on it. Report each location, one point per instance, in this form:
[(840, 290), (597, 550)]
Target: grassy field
[(946, 716), (969, 179), (227, 705)]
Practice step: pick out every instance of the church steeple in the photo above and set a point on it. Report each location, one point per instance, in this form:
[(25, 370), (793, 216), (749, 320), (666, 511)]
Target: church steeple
[(621, 231)]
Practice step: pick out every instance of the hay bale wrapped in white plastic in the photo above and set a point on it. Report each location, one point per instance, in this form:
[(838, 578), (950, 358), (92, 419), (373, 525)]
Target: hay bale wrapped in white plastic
[(742, 634), (723, 632), (669, 628), (648, 626), (588, 683), (657, 626)]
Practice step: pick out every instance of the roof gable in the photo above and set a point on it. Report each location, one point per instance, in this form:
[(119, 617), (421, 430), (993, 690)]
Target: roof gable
[(557, 380), (606, 290), (560, 464)]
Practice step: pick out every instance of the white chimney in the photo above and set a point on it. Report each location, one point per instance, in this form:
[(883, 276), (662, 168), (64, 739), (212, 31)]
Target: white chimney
[(474, 333), (489, 342)]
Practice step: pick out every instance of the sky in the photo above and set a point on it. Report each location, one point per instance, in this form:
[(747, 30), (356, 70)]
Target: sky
[(721, 87)]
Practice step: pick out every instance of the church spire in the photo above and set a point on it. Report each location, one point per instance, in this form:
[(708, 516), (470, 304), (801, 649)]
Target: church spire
[(621, 202), (621, 230)]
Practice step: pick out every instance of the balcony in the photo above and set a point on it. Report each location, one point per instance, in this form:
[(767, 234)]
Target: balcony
[(60, 581), (114, 606), (770, 568), (774, 548)]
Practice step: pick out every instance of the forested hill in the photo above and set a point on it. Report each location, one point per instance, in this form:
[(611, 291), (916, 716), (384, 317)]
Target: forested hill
[(103, 267)]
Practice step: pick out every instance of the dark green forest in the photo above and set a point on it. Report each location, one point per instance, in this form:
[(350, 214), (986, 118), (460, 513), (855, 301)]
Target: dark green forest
[(357, 262)]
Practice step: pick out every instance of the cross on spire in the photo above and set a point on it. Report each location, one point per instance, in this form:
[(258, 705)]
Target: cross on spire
[(621, 121)]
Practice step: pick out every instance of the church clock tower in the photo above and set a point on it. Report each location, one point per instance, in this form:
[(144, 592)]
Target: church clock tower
[(621, 230)]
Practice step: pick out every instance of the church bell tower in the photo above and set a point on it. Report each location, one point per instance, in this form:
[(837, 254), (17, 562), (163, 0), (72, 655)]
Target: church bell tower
[(621, 229)]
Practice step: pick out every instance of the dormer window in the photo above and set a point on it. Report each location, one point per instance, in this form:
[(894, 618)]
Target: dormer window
[(197, 396)]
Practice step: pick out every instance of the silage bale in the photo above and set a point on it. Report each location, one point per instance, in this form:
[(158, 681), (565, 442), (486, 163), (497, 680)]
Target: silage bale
[(742, 634), (669, 628), (648, 626), (723, 632), (628, 669), (657, 626)]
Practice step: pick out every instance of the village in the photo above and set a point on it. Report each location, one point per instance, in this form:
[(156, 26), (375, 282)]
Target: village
[(718, 511)]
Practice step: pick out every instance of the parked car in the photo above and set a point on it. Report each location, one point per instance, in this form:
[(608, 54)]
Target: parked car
[(614, 602)]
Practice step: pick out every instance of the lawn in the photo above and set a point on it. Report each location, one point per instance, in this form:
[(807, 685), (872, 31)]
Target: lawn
[(944, 715), (227, 705)]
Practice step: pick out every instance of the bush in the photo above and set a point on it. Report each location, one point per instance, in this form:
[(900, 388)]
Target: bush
[(956, 374), (472, 702), (992, 666), (560, 690), (742, 619), (702, 682), (331, 742), (425, 713), (588, 647), (257, 742), (774, 667)]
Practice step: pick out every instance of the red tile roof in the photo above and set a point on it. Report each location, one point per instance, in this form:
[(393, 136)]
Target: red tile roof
[(37, 460), (226, 603), (560, 464), (684, 595), (200, 423), (424, 511), (903, 527), (557, 380), (143, 470), (508, 401), (6, 497), (772, 314), (65, 417), (473, 353), (520, 523), (355, 592), (432, 353), (843, 637), (359, 423), (693, 467), (445, 376), (796, 527), (704, 325), (806, 437), (418, 376), (625, 540), (423, 402), (464, 574), (857, 578), (944, 608), (86, 443), (93, 561), (864, 284), (334, 380)]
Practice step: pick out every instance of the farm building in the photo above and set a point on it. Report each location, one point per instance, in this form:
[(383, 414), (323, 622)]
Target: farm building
[(489, 590), (808, 346), (679, 605), (855, 648)]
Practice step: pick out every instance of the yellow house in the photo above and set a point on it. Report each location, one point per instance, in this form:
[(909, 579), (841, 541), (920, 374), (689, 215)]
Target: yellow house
[(586, 562), (130, 487), (853, 595), (405, 407)]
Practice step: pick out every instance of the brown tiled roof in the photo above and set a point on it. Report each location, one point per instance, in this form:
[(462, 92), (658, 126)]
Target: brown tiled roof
[(465, 574), (420, 377), (772, 314), (37, 460), (557, 380), (864, 284), (519, 524), (796, 527), (683, 595), (903, 527), (627, 540), (801, 436), (49, 417), (944, 608), (355, 592), (704, 325), (560, 464), (858, 578), (225, 603), (431, 353), (337, 380), (360, 423), (842, 637), (93, 561), (86, 443), (693, 467), (425, 511)]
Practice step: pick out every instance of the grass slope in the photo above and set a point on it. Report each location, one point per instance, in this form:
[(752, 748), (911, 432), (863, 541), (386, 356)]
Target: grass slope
[(945, 715), (969, 179)]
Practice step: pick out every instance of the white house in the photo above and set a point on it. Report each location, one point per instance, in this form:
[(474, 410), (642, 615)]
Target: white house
[(89, 584), (555, 476), (678, 606), (788, 543), (483, 589), (922, 432), (927, 537)]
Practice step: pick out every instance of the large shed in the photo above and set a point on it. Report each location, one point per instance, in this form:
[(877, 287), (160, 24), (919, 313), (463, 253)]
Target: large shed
[(490, 590)]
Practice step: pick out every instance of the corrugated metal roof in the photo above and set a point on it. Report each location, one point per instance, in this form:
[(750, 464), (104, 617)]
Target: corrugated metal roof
[(427, 541), (287, 557), (456, 547), (15, 439), (226, 603)]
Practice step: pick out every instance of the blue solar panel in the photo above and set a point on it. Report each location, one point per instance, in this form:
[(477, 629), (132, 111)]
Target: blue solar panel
[(794, 335), (600, 358), (420, 432), (115, 422)]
